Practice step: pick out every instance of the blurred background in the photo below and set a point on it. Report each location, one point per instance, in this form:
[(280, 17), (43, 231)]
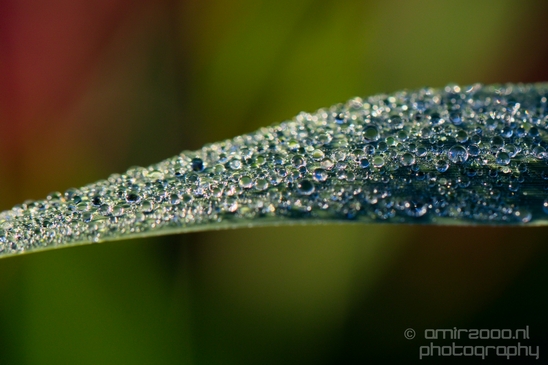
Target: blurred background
[(89, 88)]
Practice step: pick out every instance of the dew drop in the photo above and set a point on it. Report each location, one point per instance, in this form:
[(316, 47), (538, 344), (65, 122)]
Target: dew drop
[(371, 133), (378, 161), (261, 184), (512, 150), (235, 164), (473, 150), (491, 123), (197, 164), (382, 146), (118, 210), (407, 159), (96, 201), (503, 158), (462, 136), (415, 209), (421, 151), (318, 155), (457, 154), (402, 136), (246, 182), (369, 149), (524, 215), (442, 165), (133, 198), (146, 206), (539, 152), (87, 217), (306, 187), (455, 118), (436, 119), (298, 161), (320, 175), (104, 209), (293, 144), (506, 132)]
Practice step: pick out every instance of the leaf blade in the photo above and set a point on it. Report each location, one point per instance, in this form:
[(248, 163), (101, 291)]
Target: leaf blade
[(471, 155)]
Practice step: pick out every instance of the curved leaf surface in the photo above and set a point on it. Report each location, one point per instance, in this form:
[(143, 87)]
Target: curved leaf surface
[(458, 155)]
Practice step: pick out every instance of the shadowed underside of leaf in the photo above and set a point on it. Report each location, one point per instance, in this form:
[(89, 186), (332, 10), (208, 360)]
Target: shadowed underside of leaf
[(458, 155)]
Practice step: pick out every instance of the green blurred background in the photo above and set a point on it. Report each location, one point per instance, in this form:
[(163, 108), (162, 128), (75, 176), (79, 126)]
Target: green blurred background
[(88, 88)]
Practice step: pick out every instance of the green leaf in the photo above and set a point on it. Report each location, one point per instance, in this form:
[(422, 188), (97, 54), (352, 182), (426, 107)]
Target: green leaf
[(470, 155)]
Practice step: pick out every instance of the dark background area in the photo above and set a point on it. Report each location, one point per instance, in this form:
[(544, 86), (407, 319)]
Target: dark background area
[(88, 88)]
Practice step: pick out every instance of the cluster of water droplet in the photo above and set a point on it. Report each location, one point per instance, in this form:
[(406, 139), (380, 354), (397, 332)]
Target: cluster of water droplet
[(474, 154)]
